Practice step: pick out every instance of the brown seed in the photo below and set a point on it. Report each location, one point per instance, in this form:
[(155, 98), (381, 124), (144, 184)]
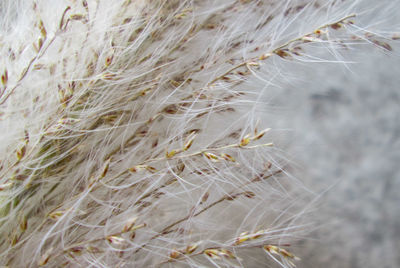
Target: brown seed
[(211, 156), (261, 134), (170, 154), (396, 36), (40, 43), (129, 225), (171, 109), (42, 29), (205, 197), (21, 152), (191, 248), (282, 53), (57, 214), (93, 249), (23, 224), (45, 257), (76, 17), (228, 157), (117, 240), (336, 26), (383, 45), (249, 194), (189, 141), (4, 78), (77, 249), (245, 140), (175, 254), (105, 168)]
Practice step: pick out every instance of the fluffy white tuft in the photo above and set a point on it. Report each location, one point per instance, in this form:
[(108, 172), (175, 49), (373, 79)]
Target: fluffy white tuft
[(133, 131)]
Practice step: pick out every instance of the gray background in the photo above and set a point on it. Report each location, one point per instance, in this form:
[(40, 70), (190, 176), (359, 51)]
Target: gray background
[(346, 142)]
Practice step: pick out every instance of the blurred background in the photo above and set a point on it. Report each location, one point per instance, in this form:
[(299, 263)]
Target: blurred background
[(345, 134)]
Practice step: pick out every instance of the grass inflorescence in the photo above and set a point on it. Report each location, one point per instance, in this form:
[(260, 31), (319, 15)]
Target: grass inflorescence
[(134, 134)]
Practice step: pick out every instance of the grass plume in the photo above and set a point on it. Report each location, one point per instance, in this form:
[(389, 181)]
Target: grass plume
[(133, 131)]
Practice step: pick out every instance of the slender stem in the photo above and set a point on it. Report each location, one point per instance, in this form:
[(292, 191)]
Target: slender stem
[(167, 230), (275, 50)]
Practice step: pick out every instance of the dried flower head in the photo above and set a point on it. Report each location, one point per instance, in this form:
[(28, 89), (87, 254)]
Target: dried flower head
[(130, 129)]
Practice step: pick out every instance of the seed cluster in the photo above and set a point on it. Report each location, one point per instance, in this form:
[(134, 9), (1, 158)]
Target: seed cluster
[(139, 132)]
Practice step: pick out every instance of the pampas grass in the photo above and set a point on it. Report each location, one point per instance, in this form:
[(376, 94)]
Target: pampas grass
[(133, 131)]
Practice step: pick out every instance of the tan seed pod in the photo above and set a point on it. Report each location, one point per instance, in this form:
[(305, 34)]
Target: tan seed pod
[(23, 225), (136, 227), (260, 134), (282, 53), (44, 259), (4, 78), (40, 43), (21, 152), (129, 225), (245, 141), (227, 253), (212, 253), (139, 168), (117, 240), (205, 197), (109, 76), (211, 156), (175, 254), (249, 194), (105, 168), (243, 237), (42, 29), (92, 249), (108, 61), (191, 248), (6, 186), (383, 45), (76, 16), (336, 26), (265, 56), (77, 250), (56, 214), (170, 154), (189, 141), (228, 157)]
